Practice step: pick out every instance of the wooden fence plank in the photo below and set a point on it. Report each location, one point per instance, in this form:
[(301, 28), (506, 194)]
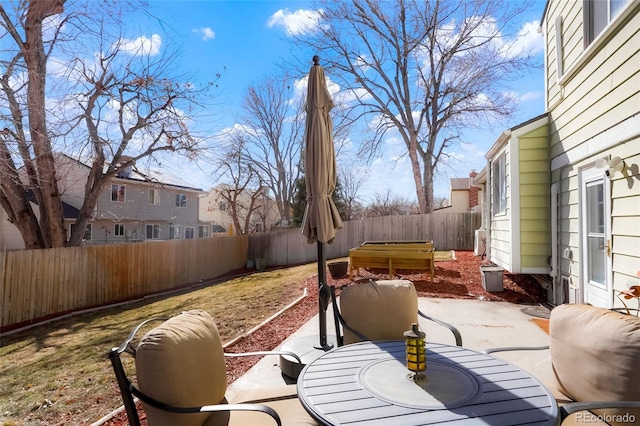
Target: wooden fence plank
[(35, 284)]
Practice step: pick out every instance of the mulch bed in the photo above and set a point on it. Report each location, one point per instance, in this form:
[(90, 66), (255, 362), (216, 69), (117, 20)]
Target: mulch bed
[(454, 279)]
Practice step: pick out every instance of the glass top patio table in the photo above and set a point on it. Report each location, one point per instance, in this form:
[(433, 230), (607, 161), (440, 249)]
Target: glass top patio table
[(368, 383)]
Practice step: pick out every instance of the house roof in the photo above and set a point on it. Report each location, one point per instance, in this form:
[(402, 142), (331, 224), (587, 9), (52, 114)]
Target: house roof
[(459, 184), (160, 177), (68, 210)]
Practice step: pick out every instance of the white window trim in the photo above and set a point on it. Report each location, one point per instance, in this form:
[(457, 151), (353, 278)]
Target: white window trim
[(124, 193), (116, 226), (594, 47), (155, 199), (172, 232), (494, 186), (179, 200), (206, 228), (193, 232), (146, 233)]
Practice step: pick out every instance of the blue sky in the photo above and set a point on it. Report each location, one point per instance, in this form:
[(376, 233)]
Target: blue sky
[(247, 40)]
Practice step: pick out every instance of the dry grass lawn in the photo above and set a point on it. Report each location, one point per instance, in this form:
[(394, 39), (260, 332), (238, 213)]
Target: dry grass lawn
[(57, 373)]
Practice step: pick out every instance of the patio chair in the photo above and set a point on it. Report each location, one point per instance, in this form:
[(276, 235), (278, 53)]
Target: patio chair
[(594, 356), (181, 379), (379, 310)]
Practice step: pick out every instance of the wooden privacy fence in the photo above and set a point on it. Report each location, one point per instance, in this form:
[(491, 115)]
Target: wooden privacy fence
[(449, 231), (36, 284), (39, 283)]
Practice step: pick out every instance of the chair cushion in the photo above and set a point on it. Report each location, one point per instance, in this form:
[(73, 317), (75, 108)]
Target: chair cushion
[(381, 310), (181, 363), (595, 353), (283, 399)]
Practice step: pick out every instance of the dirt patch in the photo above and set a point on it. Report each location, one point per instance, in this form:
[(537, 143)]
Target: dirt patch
[(454, 279)]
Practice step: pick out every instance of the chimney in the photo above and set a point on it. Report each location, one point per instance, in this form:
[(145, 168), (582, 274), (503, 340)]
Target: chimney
[(473, 190)]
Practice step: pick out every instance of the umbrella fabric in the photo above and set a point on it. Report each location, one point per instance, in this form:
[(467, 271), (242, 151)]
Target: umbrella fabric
[(321, 217)]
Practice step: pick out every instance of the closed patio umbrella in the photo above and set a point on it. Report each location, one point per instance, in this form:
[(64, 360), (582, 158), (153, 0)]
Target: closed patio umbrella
[(321, 217)]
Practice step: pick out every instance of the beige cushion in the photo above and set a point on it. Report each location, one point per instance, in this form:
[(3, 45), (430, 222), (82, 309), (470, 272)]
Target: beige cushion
[(595, 353), (283, 399), (381, 310), (181, 363)]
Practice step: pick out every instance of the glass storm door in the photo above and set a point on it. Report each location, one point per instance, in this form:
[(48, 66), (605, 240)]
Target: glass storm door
[(596, 239)]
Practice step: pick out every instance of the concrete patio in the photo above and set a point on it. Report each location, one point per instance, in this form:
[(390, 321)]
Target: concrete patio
[(483, 324)]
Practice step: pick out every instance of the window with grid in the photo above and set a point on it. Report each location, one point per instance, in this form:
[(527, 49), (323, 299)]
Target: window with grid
[(118, 193), (118, 229), (203, 231), (174, 232), (189, 232), (181, 200), (153, 231), (154, 197)]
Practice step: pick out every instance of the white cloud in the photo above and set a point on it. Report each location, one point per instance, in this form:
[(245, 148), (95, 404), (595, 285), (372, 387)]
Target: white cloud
[(296, 23), (141, 46), (528, 41), (530, 96), (206, 32)]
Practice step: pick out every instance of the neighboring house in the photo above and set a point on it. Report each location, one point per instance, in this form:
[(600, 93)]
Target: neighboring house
[(591, 203), (464, 196), (215, 208), (135, 206)]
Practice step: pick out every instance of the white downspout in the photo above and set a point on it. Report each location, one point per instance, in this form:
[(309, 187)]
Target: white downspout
[(487, 199), (554, 239)]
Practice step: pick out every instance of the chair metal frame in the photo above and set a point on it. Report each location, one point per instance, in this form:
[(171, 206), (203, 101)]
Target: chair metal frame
[(128, 390), (340, 321)]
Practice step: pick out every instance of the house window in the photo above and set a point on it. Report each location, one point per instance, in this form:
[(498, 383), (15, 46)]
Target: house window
[(154, 197), (153, 231), (189, 232), (181, 200), (500, 185), (118, 229), (203, 231), (118, 193), (598, 14), (174, 232), (223, 206)]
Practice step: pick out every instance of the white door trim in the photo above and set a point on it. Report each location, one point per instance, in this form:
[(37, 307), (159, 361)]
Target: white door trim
[(593, 291)]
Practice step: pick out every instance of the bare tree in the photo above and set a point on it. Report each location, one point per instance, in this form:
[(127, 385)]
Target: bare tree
[(242, 190), (424, 70), (108, 103), (352, 178), (388, 205), (271, 135)]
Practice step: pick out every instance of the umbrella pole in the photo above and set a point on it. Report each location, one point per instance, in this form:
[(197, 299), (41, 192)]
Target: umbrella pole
[(323, 297)]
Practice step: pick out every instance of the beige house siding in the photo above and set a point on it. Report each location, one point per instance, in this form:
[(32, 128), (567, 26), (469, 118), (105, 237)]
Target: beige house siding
[(210, 211), (500, 236), (459, 202), (519, 238), (594, 111), (533, 191), (10, 238)]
